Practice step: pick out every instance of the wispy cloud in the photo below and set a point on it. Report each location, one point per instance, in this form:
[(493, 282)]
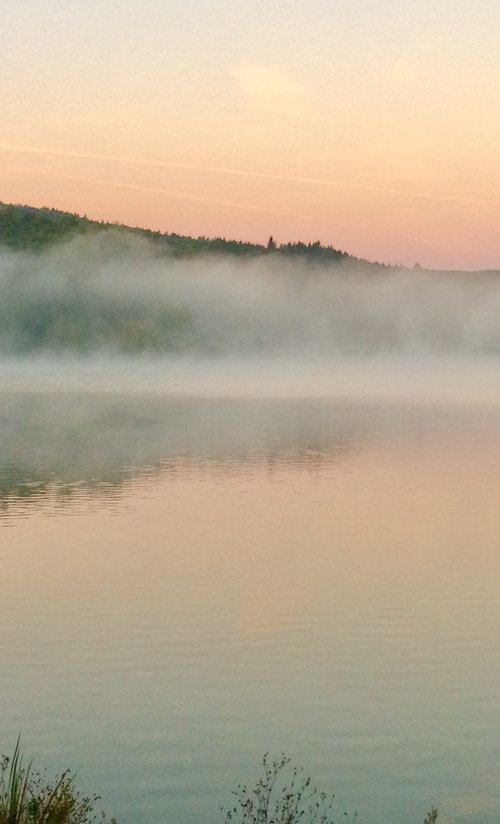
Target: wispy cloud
[(221, 170), (170, 193), (270, 88)]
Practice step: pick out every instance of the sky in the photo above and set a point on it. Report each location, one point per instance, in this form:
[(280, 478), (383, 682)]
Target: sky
[(370, 125)]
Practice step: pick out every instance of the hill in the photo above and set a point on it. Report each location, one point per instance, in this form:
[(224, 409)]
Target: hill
[(33, 229), (117, 289)]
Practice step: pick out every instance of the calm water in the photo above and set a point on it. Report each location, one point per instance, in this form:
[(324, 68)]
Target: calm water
[(189, 582)]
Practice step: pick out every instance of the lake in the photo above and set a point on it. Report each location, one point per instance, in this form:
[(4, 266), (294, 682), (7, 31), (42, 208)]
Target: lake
[(191, 580)]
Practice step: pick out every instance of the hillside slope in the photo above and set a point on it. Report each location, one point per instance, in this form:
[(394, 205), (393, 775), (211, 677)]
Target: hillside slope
[(33, 229)]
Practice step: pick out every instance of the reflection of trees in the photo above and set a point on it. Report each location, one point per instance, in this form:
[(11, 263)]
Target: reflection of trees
[(63, 448), (20, 490), (16, 485), (56, 448)]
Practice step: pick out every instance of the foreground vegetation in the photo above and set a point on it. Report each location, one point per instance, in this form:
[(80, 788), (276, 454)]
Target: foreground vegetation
[(287, 795), (27, 796), (282, 795)]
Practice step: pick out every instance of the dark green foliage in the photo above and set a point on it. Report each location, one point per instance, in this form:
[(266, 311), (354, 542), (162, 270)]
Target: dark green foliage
[(69, 284), (68, 324), (314, 252), (68, 316), (59, 306), (25, 227), (28, 797)]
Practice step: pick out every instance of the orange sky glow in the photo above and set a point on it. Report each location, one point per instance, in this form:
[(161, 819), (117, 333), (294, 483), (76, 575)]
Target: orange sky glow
[(372, 127)]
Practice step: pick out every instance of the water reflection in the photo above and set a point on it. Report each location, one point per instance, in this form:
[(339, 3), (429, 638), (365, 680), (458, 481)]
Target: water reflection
[(57, 448), (315, 576)]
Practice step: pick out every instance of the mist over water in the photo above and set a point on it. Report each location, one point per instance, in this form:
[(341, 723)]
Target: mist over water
[(111, 293), (104, 341), (250, 505)]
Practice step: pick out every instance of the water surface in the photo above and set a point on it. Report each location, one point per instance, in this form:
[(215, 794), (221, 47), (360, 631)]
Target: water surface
[(188, 582)]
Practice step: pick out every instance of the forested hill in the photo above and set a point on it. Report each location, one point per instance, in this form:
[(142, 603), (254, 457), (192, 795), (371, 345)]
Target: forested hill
[(114, 289), (32, 229)]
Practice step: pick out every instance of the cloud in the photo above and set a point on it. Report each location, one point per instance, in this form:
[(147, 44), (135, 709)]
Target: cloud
[(258, 175), (156, 190), (270, 88)]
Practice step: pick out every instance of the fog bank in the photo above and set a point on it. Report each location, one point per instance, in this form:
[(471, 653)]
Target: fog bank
[(111, 294), (470, 380)]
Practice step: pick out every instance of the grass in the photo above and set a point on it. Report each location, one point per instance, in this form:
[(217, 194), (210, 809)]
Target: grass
[(29, 797), (275, 800), (287, 795), (282, 795)]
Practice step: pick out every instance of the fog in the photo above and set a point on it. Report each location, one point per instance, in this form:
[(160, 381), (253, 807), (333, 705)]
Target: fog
[(105, 342), (112, 294)]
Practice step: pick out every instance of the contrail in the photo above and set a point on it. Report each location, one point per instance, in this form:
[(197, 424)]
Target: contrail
[(171, 193), (221, 170)]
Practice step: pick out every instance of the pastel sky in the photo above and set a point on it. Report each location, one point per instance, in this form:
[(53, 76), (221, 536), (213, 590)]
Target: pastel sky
[(371, 125)]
